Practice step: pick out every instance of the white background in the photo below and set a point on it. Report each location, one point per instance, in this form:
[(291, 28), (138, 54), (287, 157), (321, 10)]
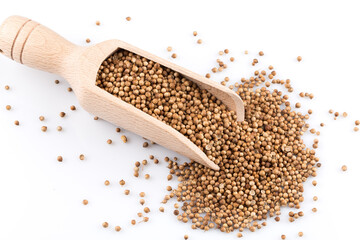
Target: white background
[(41, 198)]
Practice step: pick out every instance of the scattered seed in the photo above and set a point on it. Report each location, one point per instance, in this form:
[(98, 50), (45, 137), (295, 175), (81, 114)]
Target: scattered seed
[(72, 108), (331, 111), (133, 222), (357, 122), (315, 198), (109, 141), (195, 33), (299, 58), (62, 114), (127, 192), (96, 118), (173, 55), (44, 128), (142, 201), (88, 40), (322, 124), (81, 157), (169, 177), (122, 182), (105, 224), (356, 129), (301, 234), (128, 18), (118, 228), (124, 138), (226, 51), (57, 81), (314, 183), (314, 210), (8, 107), (283, 237), (146, 210), (41, 118), (239, 235), (16, 122), (261, 53), (59, 128), (232, 59), (142, 194), (298, 105), (107, 183), (139, 214), (169, 49), (7, 87), (145, 144), (344, 168), (199, 41), (161, 209), (59, 158), (147, 176), (85, 202), (97, 23)]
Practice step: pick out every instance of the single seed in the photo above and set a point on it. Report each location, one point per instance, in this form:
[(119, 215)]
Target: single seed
[(59, 158), (133, 222), (232, 59), (322, 124), (169, 177), (299, 58), (96, 118), (145, 144), (44, 128), (7, 87), (107, 183), (97, 23), (173, 55), (117, 228), (161, 209), (85, 202), (314, 210), (156, 161), (139, 214), (261, 53), (109, 141), (16, 122), (144, 162), (314, 183), (169, 188), (128, 18), (310, 111), (336, 114), (124, 138), (331, 111), (145, 219), (57, 81), (344, 168), (88, 40), (298, 105), (221, 53), (151, 156), (283, 237), (195, 33), (239, 235), (41, 118), (69, 89), (301, 234), (127, 192), (8, 107), (169, 49), (357, 122), (142, 194), (315, 198), (246, 52), (59, 128), (356, 129), (199, 41), (147, 176), (146, 210), (142, 201), (81, 157), (72, 108), (122, 182), (62, 114), (105, 224), (208, 75)]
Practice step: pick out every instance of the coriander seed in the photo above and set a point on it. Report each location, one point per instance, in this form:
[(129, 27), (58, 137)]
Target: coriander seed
[(44, 128), (85, 202), (299, 58), (109, 141), (105, 224), (124, 138), (107, 183), (118, 228), (344, 168), (81, 157), (59, 158)]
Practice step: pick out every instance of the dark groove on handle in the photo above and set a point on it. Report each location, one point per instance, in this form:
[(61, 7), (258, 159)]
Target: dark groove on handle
[(17, 34)]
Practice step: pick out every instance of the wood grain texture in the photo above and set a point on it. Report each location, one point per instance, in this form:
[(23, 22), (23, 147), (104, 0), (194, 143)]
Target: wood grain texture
[(36, 46)]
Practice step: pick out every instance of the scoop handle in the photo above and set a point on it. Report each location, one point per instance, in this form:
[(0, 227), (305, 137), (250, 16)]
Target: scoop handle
[(34, 45)]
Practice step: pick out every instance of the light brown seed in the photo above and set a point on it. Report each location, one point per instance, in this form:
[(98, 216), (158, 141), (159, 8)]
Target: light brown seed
[(85, 202), (7, 87), (124, 138), (88, 40), (69, 89), (8, 107), (146, 210), (299, 58), (81, 157), (145, 144), (62, 114), (174, 55), (60, 158), (186, 237), (128, 18), (357, 122), (356, 129), (195, 33), (44, 128), (283, 237), (107, 182), (344, 168), (147, 176), (16, 122), (59, 128), (105, 224), (169, 177), (142, 194), (127, 192), (314, 210), (41, 118), (57, 81), (314, 183), (232, 59), (97, 23), (161, 209), (298, 105), (109, 141), (96, 118), (72, 108), (315, 198), (199, 41), (142, 201), (122, 182), (169, 49), (261, 53), (301, 234), (133, 222), (118, 228)]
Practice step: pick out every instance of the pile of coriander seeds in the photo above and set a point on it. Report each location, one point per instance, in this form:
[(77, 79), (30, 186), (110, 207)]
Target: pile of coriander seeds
[(263, 160)]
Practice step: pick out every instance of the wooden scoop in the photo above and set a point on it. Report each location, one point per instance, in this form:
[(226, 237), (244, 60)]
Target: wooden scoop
[(36, 46)]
